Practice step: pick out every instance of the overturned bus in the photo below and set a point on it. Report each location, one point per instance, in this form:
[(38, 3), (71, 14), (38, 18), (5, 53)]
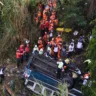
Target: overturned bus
[(40, 77)]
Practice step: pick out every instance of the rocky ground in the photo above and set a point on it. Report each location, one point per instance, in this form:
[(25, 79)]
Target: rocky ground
[(14, 81)]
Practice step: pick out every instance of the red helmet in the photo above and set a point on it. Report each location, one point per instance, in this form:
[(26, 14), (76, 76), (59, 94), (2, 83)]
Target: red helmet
[(21, 46)]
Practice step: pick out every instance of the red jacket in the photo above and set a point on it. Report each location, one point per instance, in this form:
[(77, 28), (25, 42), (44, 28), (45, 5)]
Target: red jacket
[(45, 38), (27, 49), (21, 50), (47, 24), (18, 55), (42, 26)]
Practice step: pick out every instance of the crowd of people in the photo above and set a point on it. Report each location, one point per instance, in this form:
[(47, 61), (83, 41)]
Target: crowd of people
[(22, 53), (48, 44)]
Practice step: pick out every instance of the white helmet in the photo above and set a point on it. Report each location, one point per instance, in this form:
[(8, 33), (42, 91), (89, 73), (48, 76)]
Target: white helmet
[(35, 46)]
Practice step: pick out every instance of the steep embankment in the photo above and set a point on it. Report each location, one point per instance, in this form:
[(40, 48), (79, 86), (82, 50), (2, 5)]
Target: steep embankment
[(16, 26)]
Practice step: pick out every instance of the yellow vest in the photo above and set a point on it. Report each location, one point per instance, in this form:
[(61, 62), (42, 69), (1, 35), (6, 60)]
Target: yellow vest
[(60, 65)]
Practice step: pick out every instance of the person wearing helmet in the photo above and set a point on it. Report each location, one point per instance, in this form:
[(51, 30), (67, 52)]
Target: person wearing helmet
[(67, 64), (59, 50), (35, 50), (42, 28), (59, 69), (22, 51), (27, 52), (46, 25), (52, 43), (45, 38), (40, 43), (58, 39), (18, 57), (86, 78), (41, 51)]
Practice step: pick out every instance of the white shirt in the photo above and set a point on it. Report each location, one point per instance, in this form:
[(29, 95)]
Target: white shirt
[(51, 34), (71, 48), (1, 72), (72, 43), (48, 49), (35, 49), (55, 49), (41, 51), (79, 45)]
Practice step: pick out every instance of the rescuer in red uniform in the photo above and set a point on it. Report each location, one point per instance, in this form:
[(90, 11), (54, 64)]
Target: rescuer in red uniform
[(18, 58)]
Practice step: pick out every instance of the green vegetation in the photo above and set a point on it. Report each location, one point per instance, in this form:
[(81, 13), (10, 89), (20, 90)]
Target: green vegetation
[(16, 25), (91, 91), (63, 89), (73, 13)]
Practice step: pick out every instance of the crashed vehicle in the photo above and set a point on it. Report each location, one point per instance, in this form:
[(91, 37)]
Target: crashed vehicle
[(40, 76)]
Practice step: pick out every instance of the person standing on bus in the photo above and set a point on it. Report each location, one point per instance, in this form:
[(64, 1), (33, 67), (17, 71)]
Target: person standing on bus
[(59, 69)]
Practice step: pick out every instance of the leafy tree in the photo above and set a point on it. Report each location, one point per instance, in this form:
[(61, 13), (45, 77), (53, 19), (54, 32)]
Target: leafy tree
[(73, 13), (91, 53)]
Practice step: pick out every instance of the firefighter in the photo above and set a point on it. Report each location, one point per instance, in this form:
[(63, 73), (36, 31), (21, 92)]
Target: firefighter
[(36, 20), (54, 4), (52, 17), (39, 16), (42, 28), (46, 25), (59, 50), (52, 43), (45, 38), (27, 51), (45, 17), (58, 40), (40, 43), (56, 22), (22, 51), (86, 78), (59, 69), (40, 6), (18, 57)]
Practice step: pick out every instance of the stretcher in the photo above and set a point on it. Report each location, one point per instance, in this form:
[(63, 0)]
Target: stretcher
[(64, 30)]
